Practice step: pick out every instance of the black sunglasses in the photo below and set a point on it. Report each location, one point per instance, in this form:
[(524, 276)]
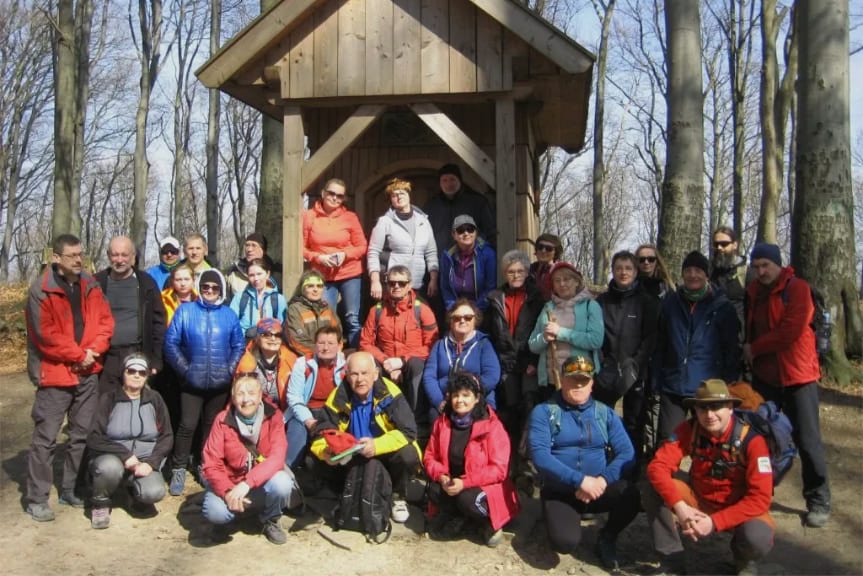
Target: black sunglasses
[(467, 228), (335, 194), (722, 243), (132, 372), (711, 406), (460, 317), (166, 251), (210, 288), (397, 283), (544, 248), (650, 259)]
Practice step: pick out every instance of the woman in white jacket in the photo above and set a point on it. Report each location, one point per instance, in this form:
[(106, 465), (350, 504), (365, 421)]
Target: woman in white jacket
[(403, 235)]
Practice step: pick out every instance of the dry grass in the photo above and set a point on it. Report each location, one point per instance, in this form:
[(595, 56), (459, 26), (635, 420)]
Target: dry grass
[(13, 336)]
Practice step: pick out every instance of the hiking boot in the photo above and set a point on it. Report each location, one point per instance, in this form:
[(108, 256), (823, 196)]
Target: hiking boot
[(178, 482), (400, 512), (606, 550), (68, 498), (100, 518), (273, 532), (817, 517), (40, 511), (491, 537)]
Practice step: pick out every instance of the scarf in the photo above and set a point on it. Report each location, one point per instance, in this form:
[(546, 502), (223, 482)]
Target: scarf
[(250, 428), (461, 422), (695, 295)]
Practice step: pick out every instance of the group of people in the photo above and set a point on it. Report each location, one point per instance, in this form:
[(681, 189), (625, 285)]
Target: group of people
[(508, 379)]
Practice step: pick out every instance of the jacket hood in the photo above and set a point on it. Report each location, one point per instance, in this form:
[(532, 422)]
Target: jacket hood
[(477, 336), (223, 289), (416, 211)]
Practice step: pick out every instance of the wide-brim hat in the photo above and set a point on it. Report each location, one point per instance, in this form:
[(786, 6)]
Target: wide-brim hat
[(712, 390)]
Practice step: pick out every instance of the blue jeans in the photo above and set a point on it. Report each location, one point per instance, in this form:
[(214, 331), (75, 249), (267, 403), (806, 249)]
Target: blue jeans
[(351, 291), (298, 437), (270, 498)]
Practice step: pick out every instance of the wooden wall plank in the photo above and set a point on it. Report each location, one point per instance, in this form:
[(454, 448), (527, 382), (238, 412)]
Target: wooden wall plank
[(515, 60), (292, 196), (379, 47), (462, 50), (489, 53), (406, 47), (435, 46), (505, 171), (326, 69), (352, 48), (302, 57)]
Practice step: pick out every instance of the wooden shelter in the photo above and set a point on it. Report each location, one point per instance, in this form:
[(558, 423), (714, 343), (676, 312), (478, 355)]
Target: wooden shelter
[(371, 89)]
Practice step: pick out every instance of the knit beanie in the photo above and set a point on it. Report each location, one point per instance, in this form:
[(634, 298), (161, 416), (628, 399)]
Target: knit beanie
[(769, 251), (259, 238), (450, 169), (698, 260)]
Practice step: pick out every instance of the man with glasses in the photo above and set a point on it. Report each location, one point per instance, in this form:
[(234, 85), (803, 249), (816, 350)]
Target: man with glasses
[(169, 258), (469, 268), (139, 314), (69, 324), (729, 488), (399, 333), (582, 453), (728, 268)]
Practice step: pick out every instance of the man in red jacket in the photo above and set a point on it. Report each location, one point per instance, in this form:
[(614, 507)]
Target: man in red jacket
[(728, 489), (780, 348), (69, 328), (399, 333)]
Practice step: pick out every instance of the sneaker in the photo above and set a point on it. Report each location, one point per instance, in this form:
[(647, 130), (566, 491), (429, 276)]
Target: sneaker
[(273, 532), (69, 499), (817, 517), (178, 482), (100, 518), (400, 512), (40, 511), (492, 537), (606, 551)]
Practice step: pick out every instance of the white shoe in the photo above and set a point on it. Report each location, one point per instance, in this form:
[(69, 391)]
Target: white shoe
[(400, 512)]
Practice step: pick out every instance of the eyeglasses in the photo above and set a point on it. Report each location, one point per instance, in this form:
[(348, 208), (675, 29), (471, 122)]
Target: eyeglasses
[(722, 243), (133, 372), (462, 317), (210, 288), (271, 335), (516, 273), (397, 283), (73, 256), (169, 251), (646, 259), (466, 229), (544, 248), (711, 406), (334, 194)]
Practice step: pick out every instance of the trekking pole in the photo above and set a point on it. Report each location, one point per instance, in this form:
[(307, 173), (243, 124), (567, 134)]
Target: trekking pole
[(552, 357)]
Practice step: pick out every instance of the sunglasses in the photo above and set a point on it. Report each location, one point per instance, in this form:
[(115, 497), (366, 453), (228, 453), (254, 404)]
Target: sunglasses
[(210, 288), (462, 317), (397, 283), (544, 248), (711, 406), (466, 229), (722, 243), (647, 259), (171, 251), (271, 335), (333, 194), (133, 372)]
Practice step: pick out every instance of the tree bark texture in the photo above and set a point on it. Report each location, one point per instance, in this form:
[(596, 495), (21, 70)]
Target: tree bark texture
[(214, 221), (682, 210), (823, 225)]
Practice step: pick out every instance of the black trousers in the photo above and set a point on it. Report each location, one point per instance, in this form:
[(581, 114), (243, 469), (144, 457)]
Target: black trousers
[(196, 406), (470, 502)]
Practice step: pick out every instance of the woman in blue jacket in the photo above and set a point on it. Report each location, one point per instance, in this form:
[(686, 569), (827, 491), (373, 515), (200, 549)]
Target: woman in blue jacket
[(469, 268), (203, 345), (463, 348)]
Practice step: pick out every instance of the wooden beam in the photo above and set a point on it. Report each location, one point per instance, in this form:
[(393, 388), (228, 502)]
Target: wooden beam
[(347, 134), (505, 174), (254, 39), (540, 35), (292, 198), (455, 138)]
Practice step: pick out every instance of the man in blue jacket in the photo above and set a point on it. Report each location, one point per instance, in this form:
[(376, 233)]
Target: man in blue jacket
[(581, 451)]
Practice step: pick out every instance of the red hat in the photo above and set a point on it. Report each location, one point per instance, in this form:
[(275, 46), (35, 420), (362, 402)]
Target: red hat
[(338, 441), (564, 266)]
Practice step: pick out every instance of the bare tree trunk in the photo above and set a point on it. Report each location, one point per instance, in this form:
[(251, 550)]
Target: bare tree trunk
[(605, 12), (71, 42), (214, 221), (823, 224), (683, 188), (149, 56), (268, 219)]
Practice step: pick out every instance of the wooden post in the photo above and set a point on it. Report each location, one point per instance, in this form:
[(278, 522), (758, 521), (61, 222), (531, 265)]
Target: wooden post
[(505, 175), (292, 199)]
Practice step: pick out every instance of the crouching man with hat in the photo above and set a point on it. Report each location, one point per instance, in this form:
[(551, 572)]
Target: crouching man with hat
[(729, 487)]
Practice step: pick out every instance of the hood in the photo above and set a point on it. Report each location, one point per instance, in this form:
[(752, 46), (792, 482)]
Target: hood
[(223, 284)]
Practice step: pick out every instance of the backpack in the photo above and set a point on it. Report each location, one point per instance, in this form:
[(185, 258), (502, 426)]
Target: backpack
[(366, 501), (601, 417), (768, 422), (246, 298), (821, 323), (379, 310)]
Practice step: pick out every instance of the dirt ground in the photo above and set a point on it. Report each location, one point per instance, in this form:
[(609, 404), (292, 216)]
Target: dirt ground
[(176, 541)]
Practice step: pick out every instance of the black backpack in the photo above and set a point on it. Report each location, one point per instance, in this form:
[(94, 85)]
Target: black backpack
[(366, 501)]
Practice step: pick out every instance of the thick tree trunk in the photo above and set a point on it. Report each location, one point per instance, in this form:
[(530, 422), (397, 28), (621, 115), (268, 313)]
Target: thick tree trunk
[(771, 176), (268, 219), (214, 222), (683, 188), (823, 224), (600, 250)]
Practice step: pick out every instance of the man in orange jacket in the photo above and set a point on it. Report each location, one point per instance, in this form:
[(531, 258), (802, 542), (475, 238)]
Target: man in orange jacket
[(69, 328)]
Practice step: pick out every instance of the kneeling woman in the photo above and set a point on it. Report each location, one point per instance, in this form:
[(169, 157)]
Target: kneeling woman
[(130, 440), (467, 459), (244, 461)]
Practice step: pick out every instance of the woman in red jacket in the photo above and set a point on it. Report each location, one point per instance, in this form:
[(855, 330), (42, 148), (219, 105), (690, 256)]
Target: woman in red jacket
[(334, 244), (467, 461)]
